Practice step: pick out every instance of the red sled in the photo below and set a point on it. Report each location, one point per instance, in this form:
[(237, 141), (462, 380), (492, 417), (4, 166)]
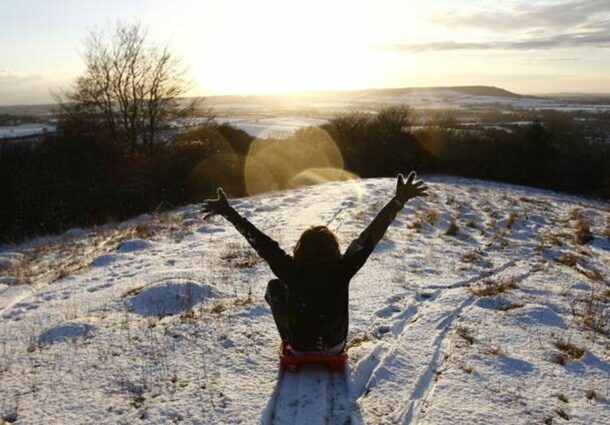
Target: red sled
[(293, 363)]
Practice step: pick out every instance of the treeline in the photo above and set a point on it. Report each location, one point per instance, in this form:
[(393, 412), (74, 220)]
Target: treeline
[(553, 154), (79, 178), (82, 180)]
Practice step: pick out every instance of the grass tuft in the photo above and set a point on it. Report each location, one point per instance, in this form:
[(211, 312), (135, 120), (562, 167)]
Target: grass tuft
[(490, 288), (431, 216), (453, 229), (571, 350), (218, 308), (511, 220), (591, 394), (562, 398), (465, 333), (562, 414)]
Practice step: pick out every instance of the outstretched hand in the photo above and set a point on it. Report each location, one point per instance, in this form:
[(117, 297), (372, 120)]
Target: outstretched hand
[(219, 205), (409, 188)]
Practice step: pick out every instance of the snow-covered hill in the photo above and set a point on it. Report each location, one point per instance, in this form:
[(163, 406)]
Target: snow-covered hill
[(478, 306)]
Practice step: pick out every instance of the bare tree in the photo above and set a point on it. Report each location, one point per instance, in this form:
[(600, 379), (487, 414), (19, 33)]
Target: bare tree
[(130, 88)]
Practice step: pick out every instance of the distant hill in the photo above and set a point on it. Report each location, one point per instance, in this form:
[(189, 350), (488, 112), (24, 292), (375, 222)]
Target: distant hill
[(339, 95), (467, 90)]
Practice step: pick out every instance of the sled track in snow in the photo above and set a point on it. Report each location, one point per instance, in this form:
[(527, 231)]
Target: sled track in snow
[(396, 359), (313, 396)]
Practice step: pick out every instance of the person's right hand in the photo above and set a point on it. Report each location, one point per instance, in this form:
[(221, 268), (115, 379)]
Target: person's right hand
[(408, 189), (219, 205)]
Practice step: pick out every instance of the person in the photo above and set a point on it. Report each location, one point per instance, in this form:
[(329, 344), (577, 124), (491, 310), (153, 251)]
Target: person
[(309, 298)]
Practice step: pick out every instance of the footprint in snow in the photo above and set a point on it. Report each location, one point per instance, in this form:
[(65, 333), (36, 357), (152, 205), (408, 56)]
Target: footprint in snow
[(106, 260), (69, 331), (210, 229), (387, 311), (134, 245), (97, 288)]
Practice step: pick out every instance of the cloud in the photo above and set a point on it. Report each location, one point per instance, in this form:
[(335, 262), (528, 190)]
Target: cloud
[(18, 88), (9, 77), (519, 15), (598, 39)]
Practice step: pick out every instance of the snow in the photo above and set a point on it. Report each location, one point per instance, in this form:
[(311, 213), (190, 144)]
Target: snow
[(271, 127), (170, 297), (134, 245), (174, 328), (66, 332), (23, 130)]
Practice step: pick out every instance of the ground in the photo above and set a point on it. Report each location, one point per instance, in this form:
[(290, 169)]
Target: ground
[(483, 302)]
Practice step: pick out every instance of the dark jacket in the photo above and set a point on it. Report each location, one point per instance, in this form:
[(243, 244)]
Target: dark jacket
[(318, 298)]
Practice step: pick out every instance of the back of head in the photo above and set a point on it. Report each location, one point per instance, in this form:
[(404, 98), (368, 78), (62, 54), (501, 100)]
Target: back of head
[(317, 247)]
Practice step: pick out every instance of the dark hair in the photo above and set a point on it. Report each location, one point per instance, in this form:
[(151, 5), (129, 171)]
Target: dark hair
[(316, 246)]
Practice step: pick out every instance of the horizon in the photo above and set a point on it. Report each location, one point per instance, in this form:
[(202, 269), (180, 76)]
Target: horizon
[(272, 48), (296, 94)]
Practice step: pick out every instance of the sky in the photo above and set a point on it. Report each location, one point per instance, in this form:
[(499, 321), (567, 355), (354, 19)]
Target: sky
[(278, 46)]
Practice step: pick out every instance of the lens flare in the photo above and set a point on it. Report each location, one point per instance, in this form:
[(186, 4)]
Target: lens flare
[(273, 164), (320, 175), (222, 170)]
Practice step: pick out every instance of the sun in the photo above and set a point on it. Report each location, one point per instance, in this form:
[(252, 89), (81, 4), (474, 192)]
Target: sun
[(273, 50)]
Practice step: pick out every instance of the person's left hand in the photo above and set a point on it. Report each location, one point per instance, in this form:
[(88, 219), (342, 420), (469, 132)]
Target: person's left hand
[(219, 205)]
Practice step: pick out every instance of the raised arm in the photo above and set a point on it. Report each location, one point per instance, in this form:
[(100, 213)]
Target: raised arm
[(281, 264), (359, 250)]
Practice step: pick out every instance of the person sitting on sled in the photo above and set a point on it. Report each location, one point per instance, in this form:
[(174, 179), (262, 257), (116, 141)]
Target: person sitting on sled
[(309, 298)]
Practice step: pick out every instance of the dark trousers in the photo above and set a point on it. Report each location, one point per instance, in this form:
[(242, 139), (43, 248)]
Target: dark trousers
[(277, 298)]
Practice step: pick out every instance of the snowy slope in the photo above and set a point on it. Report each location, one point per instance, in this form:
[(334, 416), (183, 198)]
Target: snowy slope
[(483, 326)]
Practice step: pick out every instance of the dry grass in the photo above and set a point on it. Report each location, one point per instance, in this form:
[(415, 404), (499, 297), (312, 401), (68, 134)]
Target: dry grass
[(144, 231), (218, 308), (133, 291), (415, 224), (466, 369), (510, 306), (580, 265), (67, 255), (510, 221), (606, 232), (562, 414), (431, 216), (472, 224), (490, 288), (242, 301), (188, 316), (591, 273), (493, 350), (540, 246), (559, 358), (562, 397), (582, 233), (568, 259), (357, 341), (471, 257), (452, 229), (465, 333), (573, 351), (595, 315), (591, 394), (240, 256)]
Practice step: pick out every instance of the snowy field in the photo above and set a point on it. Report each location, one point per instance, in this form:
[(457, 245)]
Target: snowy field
[(499, 318), (23, 130), (432, 98), (270, 127)]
